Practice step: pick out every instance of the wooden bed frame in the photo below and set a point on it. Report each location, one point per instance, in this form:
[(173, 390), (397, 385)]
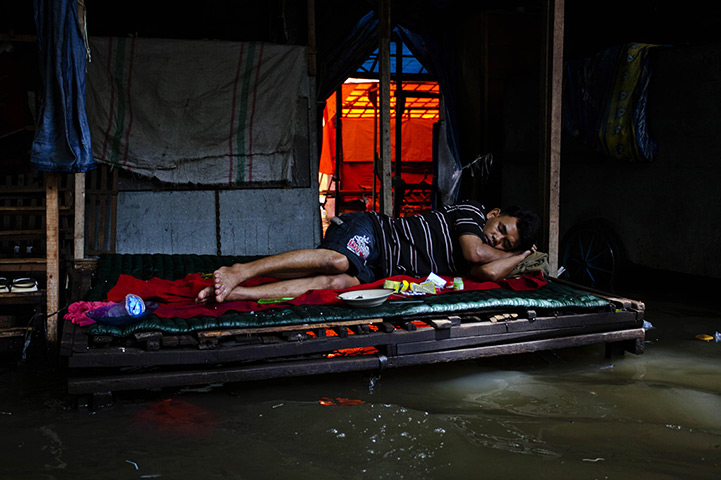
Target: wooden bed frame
[(102, 364)]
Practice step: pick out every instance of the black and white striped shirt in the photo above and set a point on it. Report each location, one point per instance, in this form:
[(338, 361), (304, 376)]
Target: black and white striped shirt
[(429, 242)]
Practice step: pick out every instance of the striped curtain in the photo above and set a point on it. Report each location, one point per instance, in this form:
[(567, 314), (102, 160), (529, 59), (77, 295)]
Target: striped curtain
[(200, 112)]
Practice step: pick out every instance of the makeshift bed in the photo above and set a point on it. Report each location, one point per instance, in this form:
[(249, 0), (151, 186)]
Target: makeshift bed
[(318, 333)]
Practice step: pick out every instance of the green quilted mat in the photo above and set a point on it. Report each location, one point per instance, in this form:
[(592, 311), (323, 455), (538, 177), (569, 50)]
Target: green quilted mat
[(552, 296)]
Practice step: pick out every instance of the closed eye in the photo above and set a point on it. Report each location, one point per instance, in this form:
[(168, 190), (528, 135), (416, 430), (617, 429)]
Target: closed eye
[(503, 230)]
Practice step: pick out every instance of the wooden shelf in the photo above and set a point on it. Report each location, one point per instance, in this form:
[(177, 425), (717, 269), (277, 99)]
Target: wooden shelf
[(17, 190), (22, 264), (24, 298), (14, 332), (30, 209), (19, 37), (22, 233)]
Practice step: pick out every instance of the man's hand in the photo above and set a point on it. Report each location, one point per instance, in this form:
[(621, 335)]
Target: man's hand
[(476, 251), (498, 269)]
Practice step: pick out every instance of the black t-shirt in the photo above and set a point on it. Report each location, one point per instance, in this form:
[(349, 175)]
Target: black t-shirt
[(425, 243)]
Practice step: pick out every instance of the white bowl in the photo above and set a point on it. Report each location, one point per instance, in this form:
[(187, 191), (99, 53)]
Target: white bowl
[(366, 298)]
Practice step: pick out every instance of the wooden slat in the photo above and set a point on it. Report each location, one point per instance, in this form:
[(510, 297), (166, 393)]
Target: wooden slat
[(113, 209), (21, 233), (79, 226), (515, 348), (14, 332), (286, 328), (101, 197), (101, 212), (91, 200), (522, 331), (82, 385)]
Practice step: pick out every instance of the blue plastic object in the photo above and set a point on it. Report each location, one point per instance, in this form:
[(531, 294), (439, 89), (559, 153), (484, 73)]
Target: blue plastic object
[(123, 313)]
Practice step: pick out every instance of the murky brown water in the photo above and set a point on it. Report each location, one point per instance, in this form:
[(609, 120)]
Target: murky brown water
[(567, 414)]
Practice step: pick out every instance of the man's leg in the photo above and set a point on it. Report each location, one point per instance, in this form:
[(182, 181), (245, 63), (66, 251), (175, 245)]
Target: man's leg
[(287, 288), (287, 265)]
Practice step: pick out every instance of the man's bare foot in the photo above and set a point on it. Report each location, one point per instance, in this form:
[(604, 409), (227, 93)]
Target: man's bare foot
[(205, 295), (226, 279)]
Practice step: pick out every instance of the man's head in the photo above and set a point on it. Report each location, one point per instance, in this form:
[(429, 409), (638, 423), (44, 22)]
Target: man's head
[(513, 228)]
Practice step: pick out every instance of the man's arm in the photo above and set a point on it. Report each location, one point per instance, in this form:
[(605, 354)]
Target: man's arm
[(487, 262)]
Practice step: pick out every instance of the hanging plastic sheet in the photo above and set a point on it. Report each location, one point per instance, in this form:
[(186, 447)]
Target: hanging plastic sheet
[(197, 111), (62, 136), (605, 102)]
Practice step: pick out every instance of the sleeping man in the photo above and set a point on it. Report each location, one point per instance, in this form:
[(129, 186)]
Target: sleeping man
[(360, 247)]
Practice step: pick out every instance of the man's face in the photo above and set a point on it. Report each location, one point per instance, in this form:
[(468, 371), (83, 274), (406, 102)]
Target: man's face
[(501, 231)]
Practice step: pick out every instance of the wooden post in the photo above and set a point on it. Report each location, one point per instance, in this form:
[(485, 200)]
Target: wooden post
[(338, 149), (551, 98), (79, 216), (399, 187), (52, 253), (384, 67), (485, 116), (311, 39)]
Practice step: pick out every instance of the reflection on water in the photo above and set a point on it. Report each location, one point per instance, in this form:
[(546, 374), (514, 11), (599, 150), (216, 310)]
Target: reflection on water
[(565, 414)]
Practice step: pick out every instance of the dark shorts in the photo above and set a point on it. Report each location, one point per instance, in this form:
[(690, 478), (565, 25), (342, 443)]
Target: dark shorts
[(355, 238)]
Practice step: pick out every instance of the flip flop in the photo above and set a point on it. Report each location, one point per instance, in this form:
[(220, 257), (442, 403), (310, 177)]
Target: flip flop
[(22, 285), (4, 285)]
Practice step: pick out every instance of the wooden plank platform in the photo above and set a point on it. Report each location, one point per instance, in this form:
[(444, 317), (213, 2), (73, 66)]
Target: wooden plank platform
[(156, 359)]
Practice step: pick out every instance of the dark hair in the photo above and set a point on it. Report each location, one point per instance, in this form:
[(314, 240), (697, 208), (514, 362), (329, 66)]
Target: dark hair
[(527, 224)]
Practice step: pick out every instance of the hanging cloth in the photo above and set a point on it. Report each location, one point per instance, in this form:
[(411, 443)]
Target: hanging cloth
[(62, 136), (604, 102)]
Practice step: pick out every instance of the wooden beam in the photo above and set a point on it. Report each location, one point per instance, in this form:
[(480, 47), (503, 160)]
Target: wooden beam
[(473, 353), (550, 158), (52, 253), (384, 67)]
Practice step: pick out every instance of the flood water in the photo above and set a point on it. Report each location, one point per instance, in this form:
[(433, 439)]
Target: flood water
[(567, 414)]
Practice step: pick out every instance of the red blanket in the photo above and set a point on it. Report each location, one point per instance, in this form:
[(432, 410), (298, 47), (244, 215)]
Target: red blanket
[(176, 298)]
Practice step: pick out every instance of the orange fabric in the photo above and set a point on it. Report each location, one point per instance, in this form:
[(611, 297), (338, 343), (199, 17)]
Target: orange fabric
[(358, 137)]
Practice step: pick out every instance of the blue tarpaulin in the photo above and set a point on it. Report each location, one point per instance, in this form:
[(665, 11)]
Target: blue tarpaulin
[(432, 47), (62, 136)]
